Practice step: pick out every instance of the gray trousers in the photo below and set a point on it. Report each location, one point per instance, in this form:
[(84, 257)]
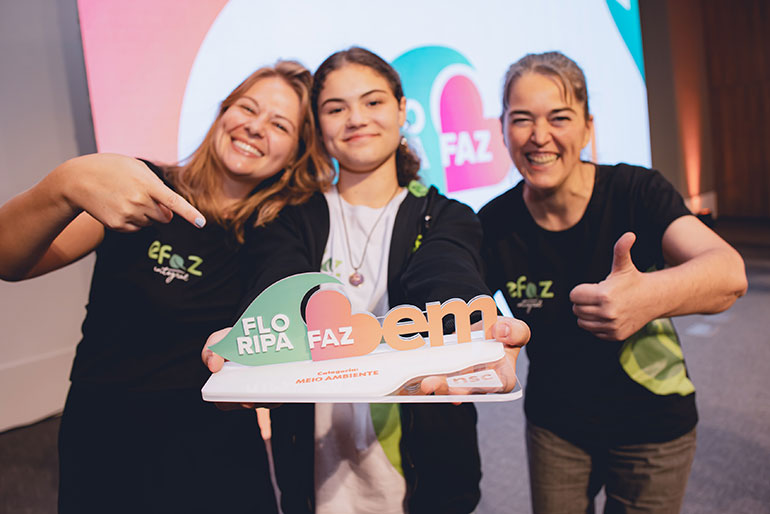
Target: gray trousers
[(638, 478)]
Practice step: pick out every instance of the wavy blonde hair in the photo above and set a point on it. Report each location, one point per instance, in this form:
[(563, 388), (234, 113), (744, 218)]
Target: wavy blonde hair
[(200, 178)]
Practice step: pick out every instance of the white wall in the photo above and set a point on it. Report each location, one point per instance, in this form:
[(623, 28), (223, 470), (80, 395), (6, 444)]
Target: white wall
[(45, 120)]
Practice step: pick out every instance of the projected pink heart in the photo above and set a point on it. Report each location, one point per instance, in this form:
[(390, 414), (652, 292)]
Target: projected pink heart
[(136, 31), (472, 149), (334, 332)]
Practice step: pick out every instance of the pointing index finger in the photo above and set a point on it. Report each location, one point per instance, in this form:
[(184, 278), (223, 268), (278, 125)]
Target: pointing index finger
[(177, 204)]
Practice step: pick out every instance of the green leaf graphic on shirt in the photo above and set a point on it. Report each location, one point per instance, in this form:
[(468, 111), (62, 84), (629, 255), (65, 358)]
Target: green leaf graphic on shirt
[(386, 419), (271, 330), (176, 261), (417, 188), (653, 358)]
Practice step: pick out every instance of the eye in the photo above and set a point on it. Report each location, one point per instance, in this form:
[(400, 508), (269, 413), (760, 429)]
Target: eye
[(249, 109), (520, 122), (560, 120), (280, 126), (333, 110), (373, 103)]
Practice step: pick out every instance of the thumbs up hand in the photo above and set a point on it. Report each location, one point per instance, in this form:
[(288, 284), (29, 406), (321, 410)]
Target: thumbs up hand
[(616, 307)]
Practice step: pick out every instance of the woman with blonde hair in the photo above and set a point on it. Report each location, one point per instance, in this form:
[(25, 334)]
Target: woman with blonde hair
[(134, 419)]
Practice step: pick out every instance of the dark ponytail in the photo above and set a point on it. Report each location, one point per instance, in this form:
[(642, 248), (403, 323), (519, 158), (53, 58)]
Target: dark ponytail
[(407, 164)]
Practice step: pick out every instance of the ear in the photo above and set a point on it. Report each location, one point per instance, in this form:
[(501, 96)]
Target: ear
[(402, 111)]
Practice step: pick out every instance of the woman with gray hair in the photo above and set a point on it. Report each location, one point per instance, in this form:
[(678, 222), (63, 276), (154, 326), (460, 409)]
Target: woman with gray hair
[(595, 259)]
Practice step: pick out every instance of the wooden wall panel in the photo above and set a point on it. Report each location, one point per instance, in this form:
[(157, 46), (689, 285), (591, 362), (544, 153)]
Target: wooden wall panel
[(737, 47)]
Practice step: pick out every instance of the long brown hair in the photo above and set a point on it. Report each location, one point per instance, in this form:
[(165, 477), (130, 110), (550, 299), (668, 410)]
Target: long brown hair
[(407, 163), (199, 179)]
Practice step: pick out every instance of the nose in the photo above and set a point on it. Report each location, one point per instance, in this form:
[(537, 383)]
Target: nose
[(356, 117), (540, 132), (255, 126)]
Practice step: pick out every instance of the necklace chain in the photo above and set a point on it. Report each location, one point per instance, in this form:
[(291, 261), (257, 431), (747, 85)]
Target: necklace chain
[(356, 278)]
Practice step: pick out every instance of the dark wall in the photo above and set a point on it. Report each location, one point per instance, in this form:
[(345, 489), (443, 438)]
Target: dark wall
[(737, 44), (708, 80)]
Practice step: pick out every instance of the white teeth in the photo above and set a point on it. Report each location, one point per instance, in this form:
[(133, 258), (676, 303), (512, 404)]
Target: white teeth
[(247, 147), (546, 158)]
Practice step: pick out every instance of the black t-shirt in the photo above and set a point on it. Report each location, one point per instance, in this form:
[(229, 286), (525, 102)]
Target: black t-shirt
[(156, 295), (576, 385)]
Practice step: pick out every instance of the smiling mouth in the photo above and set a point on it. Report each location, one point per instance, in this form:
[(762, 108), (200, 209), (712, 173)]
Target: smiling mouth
[(247, 148), (542, 157), (358, 137)]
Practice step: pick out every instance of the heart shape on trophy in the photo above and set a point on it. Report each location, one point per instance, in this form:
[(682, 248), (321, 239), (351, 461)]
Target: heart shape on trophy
[(334, 332)]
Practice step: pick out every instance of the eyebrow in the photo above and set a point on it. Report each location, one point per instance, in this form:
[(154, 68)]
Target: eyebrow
[(278, 115), (329, 100), (552, 112)]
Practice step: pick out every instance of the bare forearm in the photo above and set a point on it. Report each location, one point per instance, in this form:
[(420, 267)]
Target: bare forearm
[(706, 284), (30, 222), (706, 276), (37, 232)]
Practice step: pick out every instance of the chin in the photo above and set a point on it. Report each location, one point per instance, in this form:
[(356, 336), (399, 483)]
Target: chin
[(360, 165), (536, 180)]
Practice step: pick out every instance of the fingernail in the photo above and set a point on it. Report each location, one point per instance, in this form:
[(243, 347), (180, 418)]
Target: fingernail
[(200, 221), (506, 330)]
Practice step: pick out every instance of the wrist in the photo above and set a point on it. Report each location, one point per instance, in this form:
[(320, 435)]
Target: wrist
[(60, 188), (661, 296)]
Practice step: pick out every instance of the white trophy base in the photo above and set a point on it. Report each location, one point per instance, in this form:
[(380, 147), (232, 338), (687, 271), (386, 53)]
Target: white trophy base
[(383, 376)]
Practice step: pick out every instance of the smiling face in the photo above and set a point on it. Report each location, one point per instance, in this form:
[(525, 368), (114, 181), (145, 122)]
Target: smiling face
[(359, 118), (545, 131), (257, 136)]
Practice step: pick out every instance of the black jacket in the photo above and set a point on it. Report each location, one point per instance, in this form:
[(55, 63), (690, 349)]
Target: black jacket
[(434, 256)]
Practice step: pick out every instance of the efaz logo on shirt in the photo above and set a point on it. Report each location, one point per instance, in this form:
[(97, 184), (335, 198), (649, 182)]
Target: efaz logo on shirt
[(531, 294), (172, 265), (330, 267)]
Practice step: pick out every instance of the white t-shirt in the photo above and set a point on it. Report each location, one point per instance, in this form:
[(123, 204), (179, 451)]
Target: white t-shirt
[(352, 472)]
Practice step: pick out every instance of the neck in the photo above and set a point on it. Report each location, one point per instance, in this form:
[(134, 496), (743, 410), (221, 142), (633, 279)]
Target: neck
[(233, 191), (230, 194), (563, 207), (373, 189)]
